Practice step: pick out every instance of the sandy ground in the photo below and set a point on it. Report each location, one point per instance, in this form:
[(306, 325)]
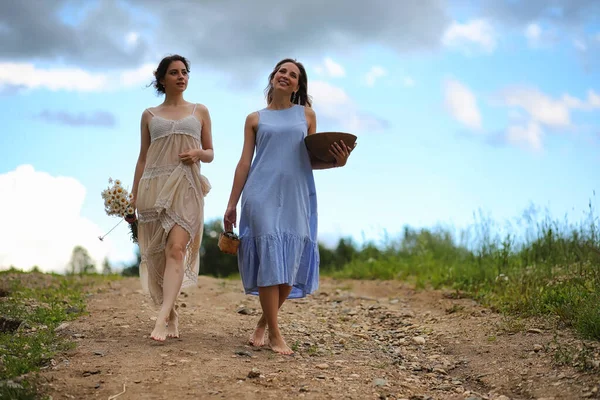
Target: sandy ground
[(353, 340)]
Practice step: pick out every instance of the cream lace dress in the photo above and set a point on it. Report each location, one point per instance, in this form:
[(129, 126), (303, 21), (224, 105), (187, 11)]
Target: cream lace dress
[(170, 193)]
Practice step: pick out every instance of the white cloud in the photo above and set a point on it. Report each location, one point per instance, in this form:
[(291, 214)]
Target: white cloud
[(543, 111), (533, 33), (374, 73), (330, 69), (408, 81), (141, 75), (539, 36), (333, 103), (42, 222), (528, 136), (579, 45), (27, 75), (462, 36), (462, 104), (546, 110), (131, 39), (593, 99), (592, 102), (540, 107), (333, 69)]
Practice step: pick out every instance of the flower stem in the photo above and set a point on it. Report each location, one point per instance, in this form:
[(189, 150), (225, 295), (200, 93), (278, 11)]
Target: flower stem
[(106, 234)]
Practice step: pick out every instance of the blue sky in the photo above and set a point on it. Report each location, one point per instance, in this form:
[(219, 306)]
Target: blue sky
[(456, 109)]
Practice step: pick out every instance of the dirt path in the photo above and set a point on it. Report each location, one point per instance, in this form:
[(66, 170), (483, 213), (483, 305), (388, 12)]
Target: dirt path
[(353, 340)]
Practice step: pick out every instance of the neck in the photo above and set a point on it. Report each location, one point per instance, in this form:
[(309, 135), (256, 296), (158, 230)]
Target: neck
[(174, 99), (279, 101)]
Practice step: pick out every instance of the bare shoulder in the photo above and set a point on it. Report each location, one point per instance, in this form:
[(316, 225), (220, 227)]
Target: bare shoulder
[(201, 113), (201, 108), (252, 119), (310, 113), (147, 114)]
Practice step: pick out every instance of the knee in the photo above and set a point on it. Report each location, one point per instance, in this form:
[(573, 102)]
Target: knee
[(175, 251)]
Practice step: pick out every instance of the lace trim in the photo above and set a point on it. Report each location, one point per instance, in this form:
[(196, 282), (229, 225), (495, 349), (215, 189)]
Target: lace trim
[(166, 217), (154, 214), (162, 170), (170, 219), (195, 135), (148, 215)]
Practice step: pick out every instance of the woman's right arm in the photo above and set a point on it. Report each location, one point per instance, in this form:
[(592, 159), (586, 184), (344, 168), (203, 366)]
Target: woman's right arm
[(141, 162), (243, 168)]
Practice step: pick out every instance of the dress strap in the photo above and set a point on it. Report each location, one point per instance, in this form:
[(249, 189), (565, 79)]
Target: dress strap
[(194, 110), (151, 113)]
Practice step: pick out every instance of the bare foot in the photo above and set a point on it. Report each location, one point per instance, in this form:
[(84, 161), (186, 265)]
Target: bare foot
[(278, 345), (160, 330), (173, 324), (258, 337)]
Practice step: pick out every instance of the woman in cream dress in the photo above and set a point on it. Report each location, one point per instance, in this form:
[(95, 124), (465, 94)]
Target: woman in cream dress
[(169, 192)]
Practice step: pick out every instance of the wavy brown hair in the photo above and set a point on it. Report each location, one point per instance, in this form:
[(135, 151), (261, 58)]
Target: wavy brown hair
[(299, 97), (162, 68)]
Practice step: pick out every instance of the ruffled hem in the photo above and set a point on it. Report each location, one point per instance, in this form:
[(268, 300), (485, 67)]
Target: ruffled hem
[(277, 259), (161, 218)]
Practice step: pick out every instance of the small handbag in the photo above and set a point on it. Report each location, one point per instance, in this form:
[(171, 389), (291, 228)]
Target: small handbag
[(229, 242)]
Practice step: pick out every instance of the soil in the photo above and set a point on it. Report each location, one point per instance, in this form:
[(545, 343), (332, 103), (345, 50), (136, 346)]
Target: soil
[(352, 340)]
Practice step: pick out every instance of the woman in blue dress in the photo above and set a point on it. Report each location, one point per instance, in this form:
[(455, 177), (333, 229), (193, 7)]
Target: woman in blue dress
[(278, 257)]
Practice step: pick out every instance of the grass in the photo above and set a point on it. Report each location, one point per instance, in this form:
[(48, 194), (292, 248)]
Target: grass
[(533, 267), (38, 303)]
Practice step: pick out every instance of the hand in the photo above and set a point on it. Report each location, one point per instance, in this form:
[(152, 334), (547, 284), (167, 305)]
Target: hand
[(132, 201), (341, 153), (229, 219), (132, 219), (190, 157)]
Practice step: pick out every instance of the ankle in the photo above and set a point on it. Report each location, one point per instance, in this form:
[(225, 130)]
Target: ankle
[(162, 318), (274, 333)]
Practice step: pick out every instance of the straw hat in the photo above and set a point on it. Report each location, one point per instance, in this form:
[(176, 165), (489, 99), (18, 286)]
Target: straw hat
[(318, 144)]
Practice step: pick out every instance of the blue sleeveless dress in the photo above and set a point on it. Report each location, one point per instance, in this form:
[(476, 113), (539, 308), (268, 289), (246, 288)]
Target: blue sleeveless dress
[(278, 221)]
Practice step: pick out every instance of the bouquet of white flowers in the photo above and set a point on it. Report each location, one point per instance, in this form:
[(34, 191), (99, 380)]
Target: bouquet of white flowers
[(117, 202)]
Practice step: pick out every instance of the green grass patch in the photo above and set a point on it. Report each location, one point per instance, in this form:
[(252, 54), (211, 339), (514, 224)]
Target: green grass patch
[(32, 306), (533, 267)]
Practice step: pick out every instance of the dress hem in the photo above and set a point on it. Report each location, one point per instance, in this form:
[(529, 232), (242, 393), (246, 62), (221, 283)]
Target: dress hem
[(295, 260)]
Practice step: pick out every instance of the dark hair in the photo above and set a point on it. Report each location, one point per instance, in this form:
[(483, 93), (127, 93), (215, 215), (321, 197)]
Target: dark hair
[(161, 71), (301, 96)]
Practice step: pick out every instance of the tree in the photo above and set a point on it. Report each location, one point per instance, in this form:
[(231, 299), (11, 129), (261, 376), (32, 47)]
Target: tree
[(81, 262), (212, 260), (133, 269), (327, 258), (106, 268), (345, 252)]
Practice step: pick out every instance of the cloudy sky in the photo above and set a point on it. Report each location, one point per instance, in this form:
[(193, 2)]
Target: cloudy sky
[(459, 106)]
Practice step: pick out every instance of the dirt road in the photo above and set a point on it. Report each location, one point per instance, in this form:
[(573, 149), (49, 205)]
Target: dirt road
[(353, 340)]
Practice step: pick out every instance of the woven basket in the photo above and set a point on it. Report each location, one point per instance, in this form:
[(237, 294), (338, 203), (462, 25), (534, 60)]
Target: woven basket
[(229, 242)]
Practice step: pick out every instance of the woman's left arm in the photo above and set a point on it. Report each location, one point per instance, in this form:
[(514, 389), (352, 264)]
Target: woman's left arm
[(339, 152), (207, 151), (206, 154)]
